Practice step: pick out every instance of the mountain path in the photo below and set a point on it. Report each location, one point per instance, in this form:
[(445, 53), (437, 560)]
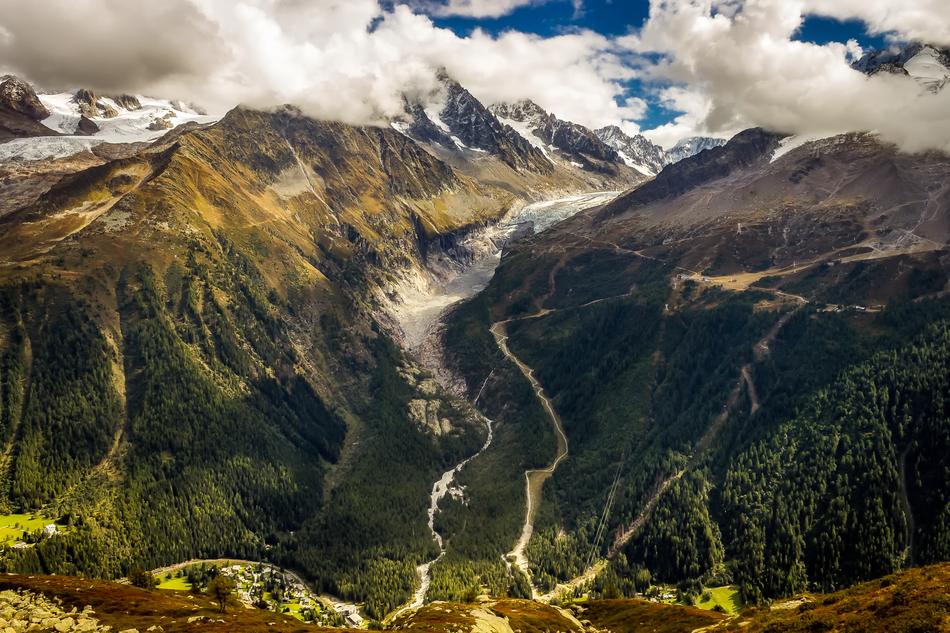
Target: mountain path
[(626, 534)]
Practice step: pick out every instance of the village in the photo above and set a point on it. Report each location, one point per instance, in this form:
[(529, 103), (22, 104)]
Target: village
[(261, 585)]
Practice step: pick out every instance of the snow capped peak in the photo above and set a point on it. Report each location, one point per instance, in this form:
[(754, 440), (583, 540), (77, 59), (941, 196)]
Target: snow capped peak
[(636, 151), (524, 111), (927, 64), (125, 119), (452, 118), (82, 119), (691, 146)]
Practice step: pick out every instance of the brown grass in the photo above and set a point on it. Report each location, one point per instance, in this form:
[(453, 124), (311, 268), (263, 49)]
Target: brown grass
[(124, 606), (628, 616)]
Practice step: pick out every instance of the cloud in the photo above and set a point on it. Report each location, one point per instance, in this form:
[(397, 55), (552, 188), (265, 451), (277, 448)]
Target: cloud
[(348, 60), (914, 20), (695, 106), (114, 44), (483, 8), (736, 64), (474, 8)]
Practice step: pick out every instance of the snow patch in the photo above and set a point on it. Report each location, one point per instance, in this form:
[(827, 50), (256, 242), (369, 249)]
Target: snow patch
[(129, 126), (928, 68), (646, 171), (42, 147), (791, 143), (526, 132)]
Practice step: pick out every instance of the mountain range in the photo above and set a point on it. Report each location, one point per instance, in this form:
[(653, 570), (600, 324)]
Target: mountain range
[(650, 373)]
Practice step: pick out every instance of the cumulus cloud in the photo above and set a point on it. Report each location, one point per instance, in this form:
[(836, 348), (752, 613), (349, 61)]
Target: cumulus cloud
[(349, 60), (721, 65), (113, 44), (917, 20), (738, 64)]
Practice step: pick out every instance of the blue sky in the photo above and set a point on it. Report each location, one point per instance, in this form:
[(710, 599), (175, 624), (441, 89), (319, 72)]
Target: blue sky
[(619, 17)]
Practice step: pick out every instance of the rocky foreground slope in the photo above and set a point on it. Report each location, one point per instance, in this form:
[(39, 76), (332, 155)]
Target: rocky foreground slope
[(911, 601)]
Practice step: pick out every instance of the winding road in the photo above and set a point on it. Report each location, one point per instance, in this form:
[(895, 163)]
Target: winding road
[(534, 478)]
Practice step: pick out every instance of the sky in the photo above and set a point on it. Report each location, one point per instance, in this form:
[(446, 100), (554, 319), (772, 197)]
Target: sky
[(665, 68)]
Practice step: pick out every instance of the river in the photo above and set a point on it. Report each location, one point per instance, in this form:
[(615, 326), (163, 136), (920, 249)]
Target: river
[(424, 302)]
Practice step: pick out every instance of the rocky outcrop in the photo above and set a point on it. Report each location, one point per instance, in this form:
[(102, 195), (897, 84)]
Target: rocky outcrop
[(20, 110), (91, 106), (128, 102), (86, 126), (19, 96), (457, 121), (577, 142), (636, 151), (27, 611), (162, 123)]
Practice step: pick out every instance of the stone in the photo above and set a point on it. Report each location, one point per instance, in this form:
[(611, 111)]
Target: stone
[(66, 624), (86, 624)]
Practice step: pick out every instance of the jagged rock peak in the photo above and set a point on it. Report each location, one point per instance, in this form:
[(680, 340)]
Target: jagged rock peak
[(454, 119), (691, 146), (91, 106), (19, 96), (636, 151), (579, 143), (523, 111)]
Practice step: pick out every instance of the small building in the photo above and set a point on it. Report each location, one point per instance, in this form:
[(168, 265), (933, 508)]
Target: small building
[(49, 529)]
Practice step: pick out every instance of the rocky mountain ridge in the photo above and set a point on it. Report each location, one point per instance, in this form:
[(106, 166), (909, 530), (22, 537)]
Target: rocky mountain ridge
[(578, 143), (642, 154), (928, 65), (456, 120)]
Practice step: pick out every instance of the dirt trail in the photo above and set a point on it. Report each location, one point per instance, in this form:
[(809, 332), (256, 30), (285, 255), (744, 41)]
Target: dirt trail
[(626, 533), (534, 478)]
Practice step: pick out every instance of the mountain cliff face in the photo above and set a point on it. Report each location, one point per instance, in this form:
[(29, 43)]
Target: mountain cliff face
[(636, 151), (460, 130), (576, 142), (458, 121), (691, 146), (20, 110), (746, 148)]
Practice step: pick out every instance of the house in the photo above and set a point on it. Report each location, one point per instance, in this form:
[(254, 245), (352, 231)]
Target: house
[(49, 529)]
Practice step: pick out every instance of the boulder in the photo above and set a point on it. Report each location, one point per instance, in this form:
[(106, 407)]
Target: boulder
[(64, 625), (86, 127)]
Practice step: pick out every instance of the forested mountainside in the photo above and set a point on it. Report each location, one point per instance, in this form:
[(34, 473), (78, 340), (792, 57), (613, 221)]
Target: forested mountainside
[(190, 365), (748, 358)]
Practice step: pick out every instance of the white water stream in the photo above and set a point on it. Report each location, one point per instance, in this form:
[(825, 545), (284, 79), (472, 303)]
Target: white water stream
[(423, 303)]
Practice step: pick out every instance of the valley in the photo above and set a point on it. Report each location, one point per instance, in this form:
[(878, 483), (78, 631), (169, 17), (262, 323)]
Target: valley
[(469, 366)]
